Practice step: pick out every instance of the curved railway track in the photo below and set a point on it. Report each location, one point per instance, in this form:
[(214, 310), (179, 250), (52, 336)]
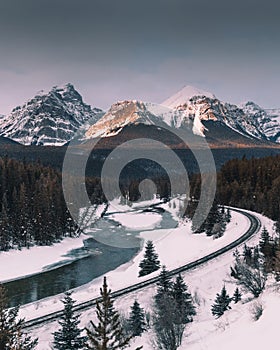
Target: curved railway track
[(255, 226)]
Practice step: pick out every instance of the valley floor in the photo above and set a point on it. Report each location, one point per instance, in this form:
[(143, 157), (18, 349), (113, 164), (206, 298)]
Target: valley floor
[(175, 247)]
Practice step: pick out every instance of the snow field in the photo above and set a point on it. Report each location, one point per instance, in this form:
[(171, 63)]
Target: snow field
[(203, 282)]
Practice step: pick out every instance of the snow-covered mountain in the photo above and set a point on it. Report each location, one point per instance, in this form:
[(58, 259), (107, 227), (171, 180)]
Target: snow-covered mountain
[(50, 118), (249, 119), (222, 124), (273, 113), (184, 95), (122, 114), (268, 122)]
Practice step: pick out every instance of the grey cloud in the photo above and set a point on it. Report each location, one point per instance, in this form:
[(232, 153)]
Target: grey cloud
[(117, 49)]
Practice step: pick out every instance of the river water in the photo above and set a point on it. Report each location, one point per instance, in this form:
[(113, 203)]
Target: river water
[(88, 263)]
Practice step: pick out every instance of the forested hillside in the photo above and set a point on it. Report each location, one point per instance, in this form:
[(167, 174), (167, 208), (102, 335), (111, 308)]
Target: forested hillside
[(253, 184), (33, 209)]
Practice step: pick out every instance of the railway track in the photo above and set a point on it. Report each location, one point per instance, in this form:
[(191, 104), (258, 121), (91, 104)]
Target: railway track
[(255, 226)]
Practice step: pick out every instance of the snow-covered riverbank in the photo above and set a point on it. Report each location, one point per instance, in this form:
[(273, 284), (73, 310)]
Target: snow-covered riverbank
[(18, 263), (175, 247)]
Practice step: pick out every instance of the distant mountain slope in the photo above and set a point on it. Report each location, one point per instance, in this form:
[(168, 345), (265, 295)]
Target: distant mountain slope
[(203, 116), (249, 119), (7, 141), (120, 115), (50, 118)]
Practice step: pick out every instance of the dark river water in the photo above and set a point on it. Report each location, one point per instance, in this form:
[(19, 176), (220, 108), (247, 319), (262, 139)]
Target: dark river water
[(89, 262)]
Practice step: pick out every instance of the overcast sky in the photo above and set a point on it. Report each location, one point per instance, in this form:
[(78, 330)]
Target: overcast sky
[(123, 49)]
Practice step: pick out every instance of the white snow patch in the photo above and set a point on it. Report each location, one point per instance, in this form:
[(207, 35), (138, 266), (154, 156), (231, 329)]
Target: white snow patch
[(33, 260), (136, 221)]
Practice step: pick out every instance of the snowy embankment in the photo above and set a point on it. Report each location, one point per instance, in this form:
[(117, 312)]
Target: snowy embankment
[(175, 247), (236, 328), (18, 263), (27, 262)]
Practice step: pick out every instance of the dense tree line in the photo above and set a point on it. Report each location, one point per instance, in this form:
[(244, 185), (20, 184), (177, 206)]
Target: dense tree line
[(253, 184), (33, 210)]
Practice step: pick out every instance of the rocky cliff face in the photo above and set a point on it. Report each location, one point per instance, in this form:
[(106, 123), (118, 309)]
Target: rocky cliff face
[(50, 118)]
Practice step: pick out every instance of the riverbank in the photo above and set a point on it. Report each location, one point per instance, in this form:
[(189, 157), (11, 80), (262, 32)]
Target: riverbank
[(175, 247), (16, 264), (204, 282)]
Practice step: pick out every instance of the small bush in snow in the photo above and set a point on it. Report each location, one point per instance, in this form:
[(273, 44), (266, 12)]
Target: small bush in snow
[(257, 310)]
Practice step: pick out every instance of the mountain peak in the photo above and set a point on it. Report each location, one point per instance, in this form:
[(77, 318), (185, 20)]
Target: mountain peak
[(120, 115), (49, 118), (66, 88), (184, 95)]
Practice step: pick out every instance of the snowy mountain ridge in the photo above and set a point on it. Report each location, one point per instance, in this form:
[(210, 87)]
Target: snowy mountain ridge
[(248, 119), (184, 95), (49, 118), (53, 118), (122, 114)]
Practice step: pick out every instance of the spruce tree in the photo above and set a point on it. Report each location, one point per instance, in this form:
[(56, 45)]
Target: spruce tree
[(213, 218), (228, 216), (183, 300), (108, 334), (137, 324), (264, 241), (236, 296), (168, 320), (68, 337), (150, 263), (248, 255), (222, 302), (164, 285), (11, 333)]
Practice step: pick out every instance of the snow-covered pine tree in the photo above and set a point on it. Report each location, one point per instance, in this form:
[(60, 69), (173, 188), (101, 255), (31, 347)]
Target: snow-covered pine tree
[(167, 319), (185, 309), (250, 278), (137, 324), (11, 334), (108, 334), (248, 255), (68, 337), (214, 217), (236, 296), (164, 285), (150, 263), (222, 302), (256, 258)]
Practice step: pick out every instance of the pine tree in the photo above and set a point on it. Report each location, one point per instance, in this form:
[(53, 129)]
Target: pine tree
[(68, 337), (137, 322), (164, 285), (150, 263), (213, 218), (170, 314), (222, 302), (228, 216), (236, 296), (11, 334), (250, 278), (248, 256), (256, 258), (183, 300), (264, 241), (108, 334)]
